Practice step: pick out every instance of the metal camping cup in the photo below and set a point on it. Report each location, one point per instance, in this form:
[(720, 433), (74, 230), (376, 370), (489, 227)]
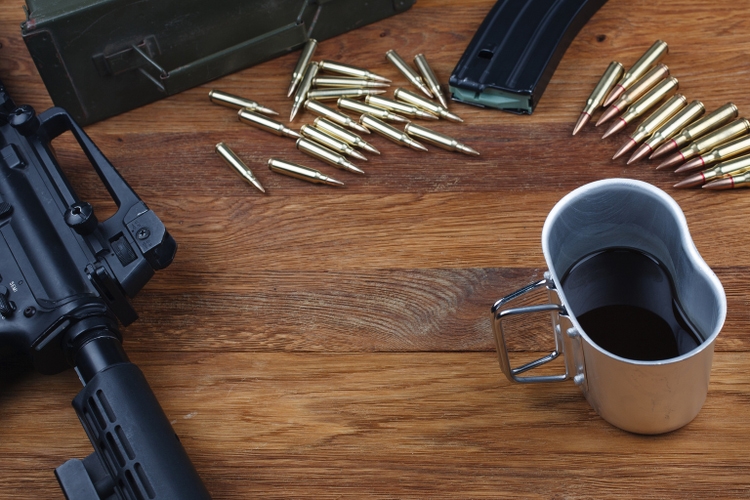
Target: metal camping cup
[(645, 397)]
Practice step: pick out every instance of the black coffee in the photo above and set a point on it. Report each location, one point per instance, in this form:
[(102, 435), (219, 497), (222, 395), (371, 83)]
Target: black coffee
[(625, 301)]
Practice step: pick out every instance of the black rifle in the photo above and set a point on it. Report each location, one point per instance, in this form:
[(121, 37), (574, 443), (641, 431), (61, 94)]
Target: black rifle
[(65, 279)]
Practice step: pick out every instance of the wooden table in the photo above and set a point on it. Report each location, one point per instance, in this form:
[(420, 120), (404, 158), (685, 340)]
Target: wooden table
[(320, 342)]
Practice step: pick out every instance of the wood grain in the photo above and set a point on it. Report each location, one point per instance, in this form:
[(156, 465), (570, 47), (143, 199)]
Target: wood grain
[(335, 343)]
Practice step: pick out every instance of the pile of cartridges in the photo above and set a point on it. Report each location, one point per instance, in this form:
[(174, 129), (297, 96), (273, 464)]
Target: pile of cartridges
[(333, 136), (719, 140)]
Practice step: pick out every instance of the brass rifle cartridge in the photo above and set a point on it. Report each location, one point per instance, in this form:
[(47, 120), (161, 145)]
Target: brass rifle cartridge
[(304, 87), (265, 123), (642, 105), (333, 115), (238, 165), (330, 142), (646, 83), (391, 133), (719, 171), (656, 119), (333, 94), (323, 153), (653, 55), (237, 102), (733, 181), (606, 82), (689, 114), (301, 172), (430, 79), (711, 121), (304, 59), (708, 142), (347, 82), (343, 134), (360, 107), (348, 70), (723, 152), (438, 139), (422, 102), (399, 107), (408, 72)]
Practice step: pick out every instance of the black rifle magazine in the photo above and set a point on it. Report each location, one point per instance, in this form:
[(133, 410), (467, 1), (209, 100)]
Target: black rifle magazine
[(513, 55)]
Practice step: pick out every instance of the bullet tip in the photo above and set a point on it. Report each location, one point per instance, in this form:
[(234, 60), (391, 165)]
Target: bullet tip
[(359, 128), (692, 181), (672, 161), (267, 111), (357, 155), (333, 182), (426, 91), (630, 144), (616, 127), (640, 153), (452, 117), (720, 184), (368, 147), (663, 149), (607, 115), (467, 150), (398, 118), (614, 95), (691, 165), (416, 145), (582, 120), (292, 133)]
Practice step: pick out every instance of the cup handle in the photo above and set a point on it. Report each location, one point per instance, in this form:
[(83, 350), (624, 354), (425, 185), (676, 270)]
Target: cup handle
[(502, 350)]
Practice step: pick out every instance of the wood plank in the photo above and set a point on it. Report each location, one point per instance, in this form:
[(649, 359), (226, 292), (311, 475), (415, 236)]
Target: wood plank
[(336, 343), (398, 425)]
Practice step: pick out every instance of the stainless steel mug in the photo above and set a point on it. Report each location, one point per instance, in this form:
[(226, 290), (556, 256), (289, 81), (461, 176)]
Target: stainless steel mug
[(648, 396)]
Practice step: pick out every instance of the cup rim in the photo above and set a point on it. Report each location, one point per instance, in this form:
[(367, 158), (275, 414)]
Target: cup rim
[(687, 244)]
